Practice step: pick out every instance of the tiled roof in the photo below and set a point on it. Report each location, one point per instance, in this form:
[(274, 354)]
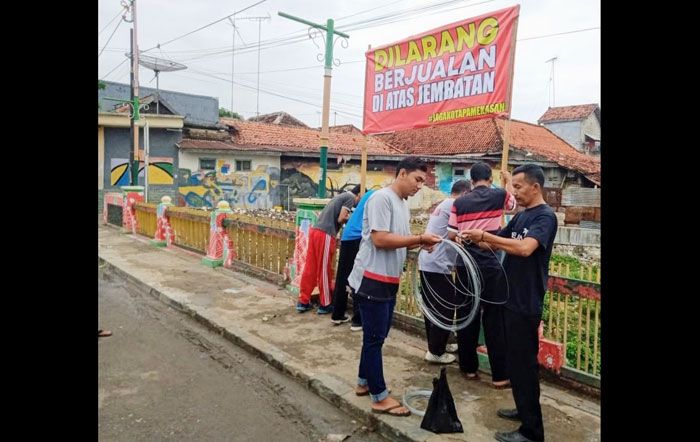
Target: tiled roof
[(189, 143), (478, 136), (568, 113), (485, 136), (278, 118), (346, 129), (250, 136), (541, 141)]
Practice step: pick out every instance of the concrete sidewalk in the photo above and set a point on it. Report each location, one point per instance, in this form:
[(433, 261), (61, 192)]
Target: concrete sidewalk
[(261, 318)]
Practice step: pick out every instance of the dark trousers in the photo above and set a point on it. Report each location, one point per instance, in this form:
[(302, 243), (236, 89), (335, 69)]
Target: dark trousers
[(346, 259), (491, 313), (442, 286), (376, 322), (522, 345)]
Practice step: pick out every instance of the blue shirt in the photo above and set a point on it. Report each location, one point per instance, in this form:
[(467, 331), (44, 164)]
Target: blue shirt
[(353, 228)]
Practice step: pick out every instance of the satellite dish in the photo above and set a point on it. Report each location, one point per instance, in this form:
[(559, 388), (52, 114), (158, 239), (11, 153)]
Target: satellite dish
[(158, 65)]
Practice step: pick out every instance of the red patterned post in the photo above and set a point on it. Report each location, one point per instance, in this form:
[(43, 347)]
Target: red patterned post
[(551, 353), (164, 233), (308, 210), (132, 195), (217, 236)]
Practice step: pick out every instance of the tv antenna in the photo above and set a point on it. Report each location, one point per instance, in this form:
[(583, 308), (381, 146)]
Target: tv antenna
[(159, 65), (551, 78)]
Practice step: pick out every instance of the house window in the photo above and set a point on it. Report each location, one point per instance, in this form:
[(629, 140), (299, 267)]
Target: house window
[(459, 173), (207, 163), (242, 165)]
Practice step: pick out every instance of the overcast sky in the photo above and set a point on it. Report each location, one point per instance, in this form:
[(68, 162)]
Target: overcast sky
[(291, 77)]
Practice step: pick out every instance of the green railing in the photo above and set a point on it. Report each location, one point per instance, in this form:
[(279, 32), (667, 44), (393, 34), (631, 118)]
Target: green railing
[(571, 306)]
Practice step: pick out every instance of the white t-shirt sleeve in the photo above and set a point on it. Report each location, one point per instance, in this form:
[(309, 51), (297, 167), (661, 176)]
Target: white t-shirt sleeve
[(379, 213)]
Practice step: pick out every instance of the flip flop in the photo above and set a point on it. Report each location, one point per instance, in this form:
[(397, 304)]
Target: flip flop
[(103, 333), (366, 392), (475, 377), (503, 386), (388, 411)]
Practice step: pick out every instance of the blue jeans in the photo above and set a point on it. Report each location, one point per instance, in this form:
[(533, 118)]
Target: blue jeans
[(376, 322)]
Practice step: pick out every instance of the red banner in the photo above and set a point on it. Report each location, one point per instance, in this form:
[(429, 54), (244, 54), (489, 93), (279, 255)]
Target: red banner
[(462, 71)]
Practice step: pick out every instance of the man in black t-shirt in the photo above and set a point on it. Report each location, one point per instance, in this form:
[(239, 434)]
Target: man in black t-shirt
[(527, 240)]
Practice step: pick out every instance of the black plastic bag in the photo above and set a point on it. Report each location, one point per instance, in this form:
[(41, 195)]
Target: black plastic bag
[(441, 415)]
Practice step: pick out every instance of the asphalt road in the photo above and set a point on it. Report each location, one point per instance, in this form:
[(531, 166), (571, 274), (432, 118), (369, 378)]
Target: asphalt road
[(162, 375)]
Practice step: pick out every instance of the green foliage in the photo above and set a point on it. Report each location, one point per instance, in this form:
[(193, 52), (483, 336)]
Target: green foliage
[(100, 85), (577, 270), (572, 338), (223, 112)]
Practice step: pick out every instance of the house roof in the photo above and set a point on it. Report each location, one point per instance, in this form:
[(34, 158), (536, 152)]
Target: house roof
[(149, 100), (249, 135), (346, 129), (278, 118), (485, 136), (569, 113), (199, 144)]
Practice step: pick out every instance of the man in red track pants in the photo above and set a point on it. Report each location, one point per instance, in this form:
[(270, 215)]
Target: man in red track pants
[(321, 249)]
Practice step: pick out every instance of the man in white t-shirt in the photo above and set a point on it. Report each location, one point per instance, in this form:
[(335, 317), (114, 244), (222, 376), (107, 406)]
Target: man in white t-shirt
[(376, 274)]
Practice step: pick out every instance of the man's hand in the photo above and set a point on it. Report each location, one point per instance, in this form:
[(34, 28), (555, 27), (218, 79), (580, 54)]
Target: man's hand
[(429, 240), (344, 215), (473, 235), (505, 178)]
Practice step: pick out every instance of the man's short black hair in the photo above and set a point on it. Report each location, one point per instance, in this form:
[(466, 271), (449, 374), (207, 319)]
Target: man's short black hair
[(460, 186), (480, 171), (356, 190), (533, 173), (411, 164)]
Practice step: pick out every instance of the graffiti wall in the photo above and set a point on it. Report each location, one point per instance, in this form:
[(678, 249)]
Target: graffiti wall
[(302, 178), (444, 178), (267, 186), (255, 189), (160, 171)]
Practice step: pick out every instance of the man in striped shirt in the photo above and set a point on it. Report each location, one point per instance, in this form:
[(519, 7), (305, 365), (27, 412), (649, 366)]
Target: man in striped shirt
[(483, 208)]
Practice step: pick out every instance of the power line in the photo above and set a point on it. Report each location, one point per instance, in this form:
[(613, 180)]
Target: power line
[(110, 38), (115, 68), (205, 26), (110, 22), (558, 33), (368, 10), (271, 93)]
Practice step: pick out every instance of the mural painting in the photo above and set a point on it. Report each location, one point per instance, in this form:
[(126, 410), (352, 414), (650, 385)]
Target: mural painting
[(160, 171), (443, 177), (302, 178), (256, 189)]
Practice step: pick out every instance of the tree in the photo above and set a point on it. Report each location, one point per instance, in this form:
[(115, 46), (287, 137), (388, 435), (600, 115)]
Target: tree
[(100, 85), (223, 112)]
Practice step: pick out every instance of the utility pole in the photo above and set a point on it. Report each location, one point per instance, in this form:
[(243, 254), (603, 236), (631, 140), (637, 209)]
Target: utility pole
[(134, 155), (326, 91), (233, 48), (551, 79), (257, 100)]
